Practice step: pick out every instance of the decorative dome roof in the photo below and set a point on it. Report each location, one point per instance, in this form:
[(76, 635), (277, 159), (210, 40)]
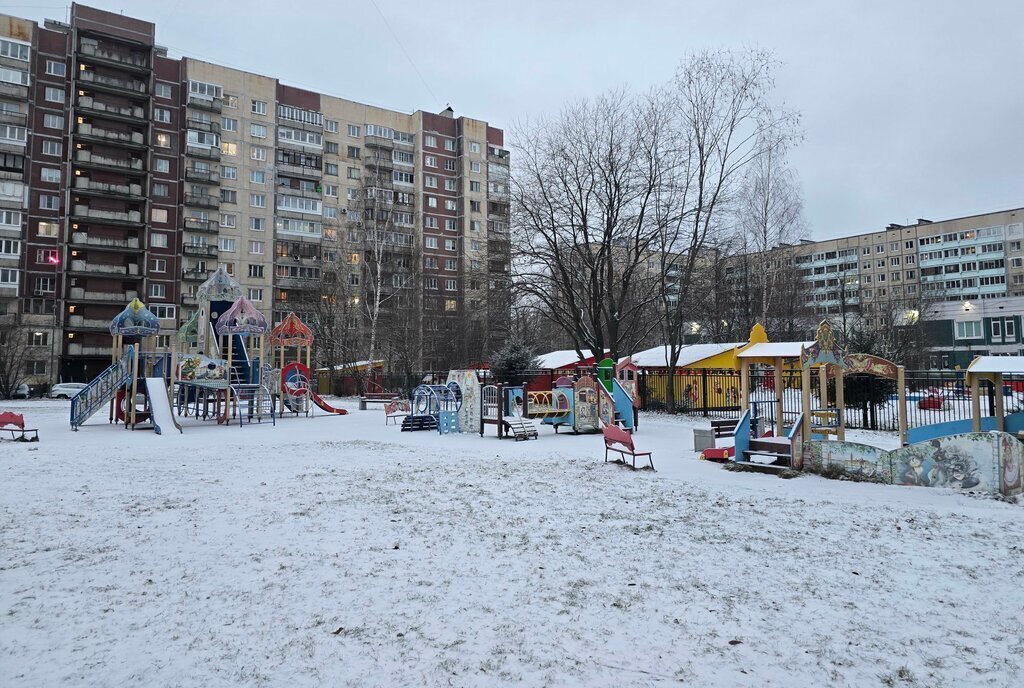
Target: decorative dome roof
[(242, 318), (220, 287), (291, 332), (135, 321), (188, 334)]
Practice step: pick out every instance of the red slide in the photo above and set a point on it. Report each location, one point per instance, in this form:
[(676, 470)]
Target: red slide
[(324, 405)]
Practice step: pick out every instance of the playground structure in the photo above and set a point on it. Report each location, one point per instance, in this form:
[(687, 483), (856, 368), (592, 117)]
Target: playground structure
[(434, 407), (294, 388), (134, 387)]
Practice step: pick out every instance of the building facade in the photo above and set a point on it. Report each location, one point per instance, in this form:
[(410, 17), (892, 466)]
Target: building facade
[(125, 172)]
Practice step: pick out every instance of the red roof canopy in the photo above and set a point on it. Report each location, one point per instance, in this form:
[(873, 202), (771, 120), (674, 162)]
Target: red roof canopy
[(291, 332)]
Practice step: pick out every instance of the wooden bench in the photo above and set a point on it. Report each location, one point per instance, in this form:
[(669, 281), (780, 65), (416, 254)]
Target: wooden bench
[(18, 432), (618, 440), (375, 398), (395, 409), (779, 451), (724, 427)]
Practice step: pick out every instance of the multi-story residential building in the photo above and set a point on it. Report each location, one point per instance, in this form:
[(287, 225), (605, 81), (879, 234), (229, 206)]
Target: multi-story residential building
[(125, 172), (903, 268)]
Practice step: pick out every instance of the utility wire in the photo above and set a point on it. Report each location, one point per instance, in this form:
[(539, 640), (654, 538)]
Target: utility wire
[(407, 56)]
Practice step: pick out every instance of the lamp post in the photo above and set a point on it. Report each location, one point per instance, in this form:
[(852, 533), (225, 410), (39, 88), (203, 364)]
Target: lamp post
[(55, 262)]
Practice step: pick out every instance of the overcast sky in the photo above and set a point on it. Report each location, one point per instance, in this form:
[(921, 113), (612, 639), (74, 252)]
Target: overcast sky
[(910, 108)]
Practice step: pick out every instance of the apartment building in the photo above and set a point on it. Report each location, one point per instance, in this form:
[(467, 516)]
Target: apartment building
[(125, 172), (902, 268)]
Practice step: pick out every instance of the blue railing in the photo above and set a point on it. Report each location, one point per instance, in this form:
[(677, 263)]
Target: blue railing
[(102, 389)]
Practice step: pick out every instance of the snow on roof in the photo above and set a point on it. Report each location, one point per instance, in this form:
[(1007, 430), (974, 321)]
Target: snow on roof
[(775, 350), (556, 360), (997, 364), (655, 357)]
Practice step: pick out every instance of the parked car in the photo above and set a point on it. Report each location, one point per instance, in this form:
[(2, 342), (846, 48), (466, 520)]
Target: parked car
[(66, 390), (22, 392)]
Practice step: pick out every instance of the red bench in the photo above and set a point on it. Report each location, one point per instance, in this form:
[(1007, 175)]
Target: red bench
[(395, 409), (618, 440), (18, 421)]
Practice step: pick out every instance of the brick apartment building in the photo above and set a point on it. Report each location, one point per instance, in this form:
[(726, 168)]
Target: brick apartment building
[(125, 172)]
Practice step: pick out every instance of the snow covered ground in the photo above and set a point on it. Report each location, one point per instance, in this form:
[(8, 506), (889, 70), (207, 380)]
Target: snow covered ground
[(338, 551)]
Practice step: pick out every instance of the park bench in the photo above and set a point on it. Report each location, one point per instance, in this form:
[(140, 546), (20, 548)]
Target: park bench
[(15, 424), (618, 440), (375, 398), (395, 409)]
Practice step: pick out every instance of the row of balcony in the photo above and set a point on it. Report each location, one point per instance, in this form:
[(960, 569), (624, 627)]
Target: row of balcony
[(19, 119), (102, 269), (13, 90), (131, 138), (205, 103), (86, 184), (90, 158), (126, 60), (202, 200), (113, 83), (206, 153), (197, 124), (130, 217), (200, 250), (84, 239), (80, 294), (81, 322), (202, 176), (127, 112), (75, 349)]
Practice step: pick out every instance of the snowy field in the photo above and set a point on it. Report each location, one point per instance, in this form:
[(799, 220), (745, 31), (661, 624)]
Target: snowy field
[(337, 551)]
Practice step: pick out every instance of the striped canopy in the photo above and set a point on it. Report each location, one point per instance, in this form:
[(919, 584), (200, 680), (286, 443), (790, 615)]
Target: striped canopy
[(291, 332), (242, 318)]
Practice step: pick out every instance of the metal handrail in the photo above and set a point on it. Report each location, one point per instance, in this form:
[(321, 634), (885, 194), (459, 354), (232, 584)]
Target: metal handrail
[(102, 389)]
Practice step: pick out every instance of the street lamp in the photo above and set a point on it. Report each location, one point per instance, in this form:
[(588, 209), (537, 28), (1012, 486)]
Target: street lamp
[(54, 260)]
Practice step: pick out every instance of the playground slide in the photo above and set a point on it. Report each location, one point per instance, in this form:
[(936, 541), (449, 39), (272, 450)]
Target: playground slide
[(160, 405), (623, 404), (102, 389), (324, 405)]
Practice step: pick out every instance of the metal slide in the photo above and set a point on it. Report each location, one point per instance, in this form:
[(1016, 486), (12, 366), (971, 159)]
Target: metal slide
[(160, 405)]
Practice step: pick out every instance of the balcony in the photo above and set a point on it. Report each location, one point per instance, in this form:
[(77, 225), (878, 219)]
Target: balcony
[(75, 349), (79, 322), (86, 267), (83, 239), (378, 142), (379, 163), (91, 159), (202, 125), (80, 294), (295, 283), (133, 139), (124, 60), (304, 193), (189, 300), (202, 176), (12, 175), (18, 119), (203, 152), (202, 201), (87, 186), (13, 90), (195, 224), (113, 84), (500, 158), (131, 217), (300, 171), (195, 275), (200, 250), (12, 194), (204, 103), (132, 113)]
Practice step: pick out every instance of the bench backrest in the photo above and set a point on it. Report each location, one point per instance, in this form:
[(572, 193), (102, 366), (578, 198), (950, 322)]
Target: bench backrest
[(614, 435), (15, 419), (396, 406)]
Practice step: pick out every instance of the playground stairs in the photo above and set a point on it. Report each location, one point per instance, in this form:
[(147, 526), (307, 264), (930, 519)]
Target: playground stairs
[(413, 423), (521, 428), (779, 451)]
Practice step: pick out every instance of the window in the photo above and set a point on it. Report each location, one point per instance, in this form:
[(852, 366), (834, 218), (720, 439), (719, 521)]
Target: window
[(158, 265), (430, 141), (451, 285), (257, 176), (54, 95), (331, 168), (226, 244), (450, 185), (49, 202), (54, 148), (402, 177), (474, 225), (14, 76), (997, 329), (431, 242), (46, 229), (474, 206), (158, 291), (161, 165), (228, 220), (449, 224), (255, 271), (331, 126), (257, 224), (449, 144), (1009, 328), (431, 201), (163, 90), (474, 147), (449, 165), (353, 173), (430, 181), (353, 152), (228, 196), (158, 215), (259, 107), (53, 121), (450, 204), (451, 304), (228, 172), (38, 338), (258, 153), (474, 186), (50, 175), (164, 140), (431, 283), (474, 167), (258, 200), (255, 294), (12, 248), (8, 276), (968, 329), (14, 49), (300, 205), (258, 131), (162, 115), (430, 161), (430, 222), (256, 248), (164, 312), (353, 130), (46, 285), (449, 244), (450, 264), (330, 147), (331, 190)]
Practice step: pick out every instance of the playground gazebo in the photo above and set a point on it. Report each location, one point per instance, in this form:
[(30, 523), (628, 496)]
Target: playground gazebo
[(993, 369)]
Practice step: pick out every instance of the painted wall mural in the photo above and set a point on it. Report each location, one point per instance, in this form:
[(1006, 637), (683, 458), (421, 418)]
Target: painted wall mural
[(983, 462), (469, 413)]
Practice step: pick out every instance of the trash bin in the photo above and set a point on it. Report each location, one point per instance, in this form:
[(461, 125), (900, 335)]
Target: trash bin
[(703, 439)]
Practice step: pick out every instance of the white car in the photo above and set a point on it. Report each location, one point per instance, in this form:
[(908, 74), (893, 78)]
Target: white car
[(22, 392), (66, 390)]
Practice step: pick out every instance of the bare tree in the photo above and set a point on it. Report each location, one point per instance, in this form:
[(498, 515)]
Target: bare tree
[(14, 351), (583, 196), (722, 122)]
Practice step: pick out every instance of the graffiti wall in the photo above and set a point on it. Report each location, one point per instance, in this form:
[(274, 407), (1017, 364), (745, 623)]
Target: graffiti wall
[(983, 462), (469, 413)]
